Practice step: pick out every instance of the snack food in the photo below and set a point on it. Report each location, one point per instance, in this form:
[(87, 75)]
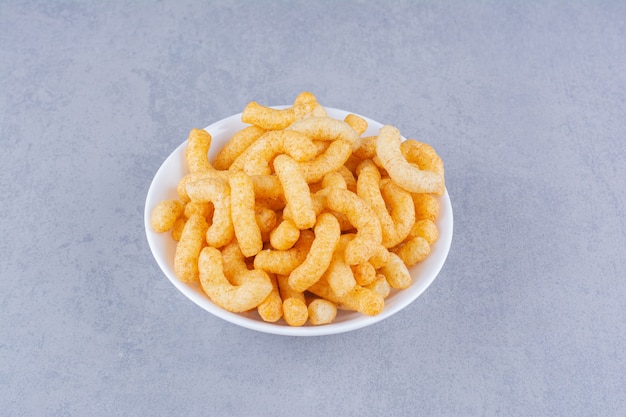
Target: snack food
[(402, 171), (254, 205)]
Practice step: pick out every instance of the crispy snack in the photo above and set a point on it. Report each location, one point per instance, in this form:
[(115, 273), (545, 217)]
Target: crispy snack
[(243, 215), (295, 311), (306, 105), (357, 123), (359, 213), (413, 250), (266, 219), (296, 191), (396, 272), (238, 143), (181, 187), (188, 249), (364, 273), (380, 257), (427, 229), (164, 215), (348, 178), (397, 225), (318, 259), (196, 153), (285, 235), (380, 285), (367, 148), (204, 208), (333, 179), (254, 288), (298, 215), (426, 206), (321, 311), (359, 299), (339, 275), (216, 191), (266, 117), (326, 128), (234, 263), (282, 262), (271, 309), (331, 160), (423, 155), (267, 187), (177, 228), (406, 175), (255, 160), (235, 270)]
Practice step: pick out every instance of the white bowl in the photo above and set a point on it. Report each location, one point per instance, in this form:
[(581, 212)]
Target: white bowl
[(162, 245)]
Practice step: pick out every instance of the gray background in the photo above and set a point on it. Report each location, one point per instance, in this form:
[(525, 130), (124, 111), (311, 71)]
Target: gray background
[(524, 101)]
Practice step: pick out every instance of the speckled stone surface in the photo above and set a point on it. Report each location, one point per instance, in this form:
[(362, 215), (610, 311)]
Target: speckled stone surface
[(524, 101)]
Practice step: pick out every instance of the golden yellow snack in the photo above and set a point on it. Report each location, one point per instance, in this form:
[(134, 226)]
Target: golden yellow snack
[(276, 204), (285, 235), (266, 219), (234, 263), (426, 206), (339, 275), (266, 117), (427, 229), (282, 262), (380, 285), (203, 208), (326, 128), (271, 309), (242, 212), (364, 273), (331, 160), (267, 186), (397, 225), (235, 270), (238, 143), (423, 155), (181, 187), (318, 259), (413, 250), (188, 249), (306, 105), (363, 218), (295, 311), (177, 228), (318, 199), (367, 148), (254, 288), (406, 175), (196, 153), (297, 194), (348, 178), (255, 160), (216, 191), (333, 179), (301, 205), (321, 311), (165, 214), (401, 210), (359, 298), (396, 272), (380, 257), (357, 123)]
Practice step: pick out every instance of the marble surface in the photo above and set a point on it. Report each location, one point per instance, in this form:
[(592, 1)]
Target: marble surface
[(524, 101)]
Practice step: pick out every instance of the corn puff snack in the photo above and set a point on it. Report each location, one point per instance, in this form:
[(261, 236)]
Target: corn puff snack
[(300, 215)]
